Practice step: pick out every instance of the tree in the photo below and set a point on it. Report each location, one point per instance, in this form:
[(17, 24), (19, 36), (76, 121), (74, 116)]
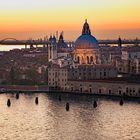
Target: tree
[(32, 75)]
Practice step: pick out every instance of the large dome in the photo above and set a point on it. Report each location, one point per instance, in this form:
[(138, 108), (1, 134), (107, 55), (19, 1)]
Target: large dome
[(86, 40)]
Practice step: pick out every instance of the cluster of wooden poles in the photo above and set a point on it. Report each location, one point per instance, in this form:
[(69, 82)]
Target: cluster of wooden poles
[(17, 97), (67, 107)]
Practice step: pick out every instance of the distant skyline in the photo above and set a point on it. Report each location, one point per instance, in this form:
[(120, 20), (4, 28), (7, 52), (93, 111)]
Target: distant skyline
[(36, 18)]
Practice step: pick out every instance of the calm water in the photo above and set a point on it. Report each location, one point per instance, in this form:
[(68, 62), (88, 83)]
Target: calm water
[(11, 47), (48, 120)]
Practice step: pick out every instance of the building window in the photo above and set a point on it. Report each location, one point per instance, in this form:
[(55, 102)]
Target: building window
[(78, 59), (88, 60), (89, 72), (90, 85), (55, 74), (109, 91), (120, 92), (127, 90), (90, 90), (91, 59)]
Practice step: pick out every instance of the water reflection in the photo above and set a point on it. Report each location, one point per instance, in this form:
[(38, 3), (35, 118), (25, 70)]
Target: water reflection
[(49, 120)]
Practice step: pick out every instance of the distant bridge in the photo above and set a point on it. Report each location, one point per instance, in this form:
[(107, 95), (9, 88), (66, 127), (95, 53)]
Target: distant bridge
[(14, 41), (9, 39)]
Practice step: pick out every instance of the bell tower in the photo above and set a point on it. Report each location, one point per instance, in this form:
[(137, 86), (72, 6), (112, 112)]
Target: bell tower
[(52, 48)]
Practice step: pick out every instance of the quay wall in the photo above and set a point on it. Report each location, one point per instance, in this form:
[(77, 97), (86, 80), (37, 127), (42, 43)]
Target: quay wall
[(4, 88), (105, 88)]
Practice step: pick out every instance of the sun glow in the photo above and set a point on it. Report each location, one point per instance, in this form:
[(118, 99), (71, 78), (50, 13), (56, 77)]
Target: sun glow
[(48, 16)]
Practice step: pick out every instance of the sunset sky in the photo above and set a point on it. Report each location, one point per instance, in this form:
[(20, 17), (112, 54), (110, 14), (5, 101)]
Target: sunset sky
[(108, 19)]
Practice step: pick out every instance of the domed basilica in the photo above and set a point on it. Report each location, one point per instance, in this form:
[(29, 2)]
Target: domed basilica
[(86, 51), (86, 47)]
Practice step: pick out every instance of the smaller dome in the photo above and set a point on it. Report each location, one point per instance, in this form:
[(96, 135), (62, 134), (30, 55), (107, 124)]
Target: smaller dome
[(86, 42)]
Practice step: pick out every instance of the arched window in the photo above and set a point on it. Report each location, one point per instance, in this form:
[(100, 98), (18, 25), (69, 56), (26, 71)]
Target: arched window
[(91, 59), (88, 60), (78, 59)]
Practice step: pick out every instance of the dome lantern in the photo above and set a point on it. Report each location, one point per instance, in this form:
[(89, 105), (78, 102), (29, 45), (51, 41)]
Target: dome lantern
[(86, 29)]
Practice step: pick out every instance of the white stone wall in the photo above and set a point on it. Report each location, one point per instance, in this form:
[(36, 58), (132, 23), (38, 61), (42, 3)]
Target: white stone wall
[(57, 77), (110, 88)]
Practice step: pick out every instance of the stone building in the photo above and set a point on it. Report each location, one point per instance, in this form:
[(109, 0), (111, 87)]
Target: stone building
[(57, 77), (90, 72), (130, 60), (52, 48), (130, 53), (107, 87)]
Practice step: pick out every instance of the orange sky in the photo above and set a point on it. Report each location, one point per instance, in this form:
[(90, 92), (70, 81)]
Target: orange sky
[(37, 18)]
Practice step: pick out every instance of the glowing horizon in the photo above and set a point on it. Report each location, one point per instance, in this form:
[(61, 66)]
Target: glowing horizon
[(107, 19)]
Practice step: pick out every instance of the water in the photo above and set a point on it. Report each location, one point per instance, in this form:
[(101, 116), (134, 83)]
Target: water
[(11, 47), (49, 120)]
